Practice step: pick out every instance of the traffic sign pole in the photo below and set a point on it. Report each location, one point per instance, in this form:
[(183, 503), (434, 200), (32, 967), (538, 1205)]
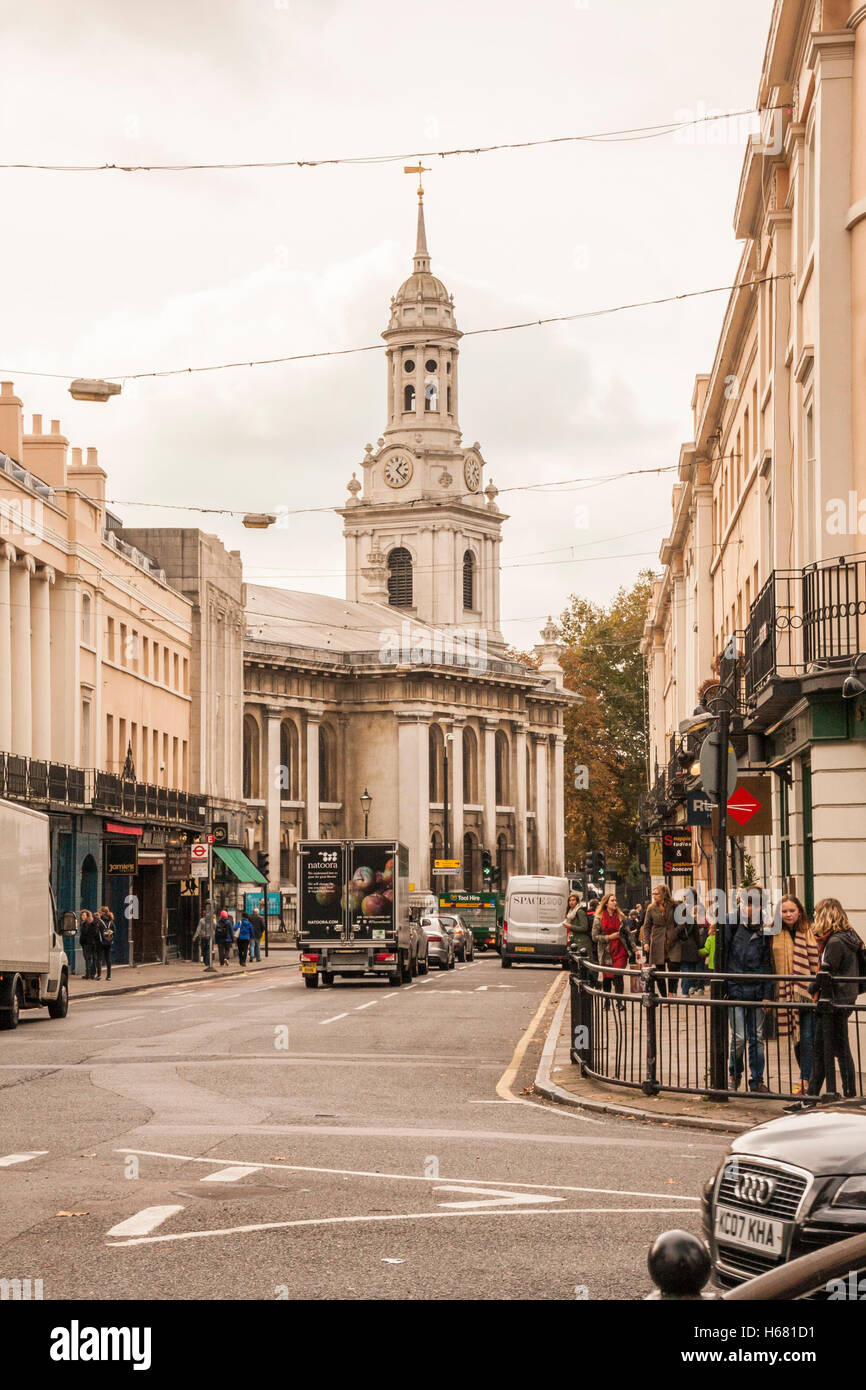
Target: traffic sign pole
[(719, 1035)]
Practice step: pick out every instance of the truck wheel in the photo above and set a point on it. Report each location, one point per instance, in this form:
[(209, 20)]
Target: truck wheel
[(311, 981), (398, 978), (506, 964), (59, 1007), (413, 967), (424, 966), (406, 970), (327, 977), (9, 1017)]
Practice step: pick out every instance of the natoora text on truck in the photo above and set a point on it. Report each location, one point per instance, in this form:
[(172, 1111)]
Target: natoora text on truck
[(34, 971), (353, 911)]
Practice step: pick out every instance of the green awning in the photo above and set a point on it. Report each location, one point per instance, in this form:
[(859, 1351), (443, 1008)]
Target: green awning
[(237, 863)]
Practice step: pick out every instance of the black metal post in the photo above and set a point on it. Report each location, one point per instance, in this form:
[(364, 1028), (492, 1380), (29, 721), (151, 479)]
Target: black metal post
[(719, 1022), (445, 797)]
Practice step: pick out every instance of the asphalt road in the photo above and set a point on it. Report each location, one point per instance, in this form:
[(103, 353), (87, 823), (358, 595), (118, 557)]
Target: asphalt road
[(252, 1139)]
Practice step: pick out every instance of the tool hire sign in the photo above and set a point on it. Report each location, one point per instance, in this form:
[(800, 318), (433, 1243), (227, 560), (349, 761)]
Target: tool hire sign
[(677, 851)]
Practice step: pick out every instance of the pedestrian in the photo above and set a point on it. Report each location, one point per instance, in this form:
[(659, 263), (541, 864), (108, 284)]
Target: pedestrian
[(577, 925), (688, 940), (243, 936), (658, 923), (843, 958), (258, 925), (707, 952), (796, 952), (223, 935), (614, 945), (89, 936), (748, 953), (105, 922), (204, 933)]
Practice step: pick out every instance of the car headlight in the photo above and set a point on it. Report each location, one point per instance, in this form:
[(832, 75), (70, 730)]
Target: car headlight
[(852, 1193)]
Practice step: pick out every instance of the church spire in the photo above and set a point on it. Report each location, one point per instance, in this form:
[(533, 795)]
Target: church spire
[(422, 255)]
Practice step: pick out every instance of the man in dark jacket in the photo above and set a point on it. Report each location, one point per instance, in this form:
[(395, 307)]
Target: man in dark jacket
[(749, 952), (91, 944), (258, 925)]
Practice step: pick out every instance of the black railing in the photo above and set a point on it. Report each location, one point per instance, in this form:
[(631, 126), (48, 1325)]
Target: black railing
[(58, 784), (629, 1029), (805, 619)]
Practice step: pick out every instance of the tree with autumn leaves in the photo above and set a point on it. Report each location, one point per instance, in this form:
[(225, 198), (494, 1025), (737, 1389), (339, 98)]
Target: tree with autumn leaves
[(606, 735)]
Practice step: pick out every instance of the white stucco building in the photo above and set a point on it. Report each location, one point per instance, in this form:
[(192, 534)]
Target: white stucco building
[(368, 693)]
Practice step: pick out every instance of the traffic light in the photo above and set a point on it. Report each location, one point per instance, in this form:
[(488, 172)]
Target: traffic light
[(601, 864), (589, 863), (263, 861), (487, 867)]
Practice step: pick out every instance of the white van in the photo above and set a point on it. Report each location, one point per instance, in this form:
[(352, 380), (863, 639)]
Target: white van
[(533, 928)]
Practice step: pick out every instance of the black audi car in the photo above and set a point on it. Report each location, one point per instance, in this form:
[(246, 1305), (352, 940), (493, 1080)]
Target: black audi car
[(786, 1188)]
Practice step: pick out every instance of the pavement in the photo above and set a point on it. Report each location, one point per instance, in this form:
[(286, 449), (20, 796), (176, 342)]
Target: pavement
[(559, 1079), (244, 1138), (126, 978)]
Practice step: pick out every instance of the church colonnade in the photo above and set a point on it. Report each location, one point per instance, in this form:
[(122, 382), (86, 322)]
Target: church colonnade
[(25, 654)]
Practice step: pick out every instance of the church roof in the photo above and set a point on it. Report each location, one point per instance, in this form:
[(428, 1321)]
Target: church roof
[(319, 620)]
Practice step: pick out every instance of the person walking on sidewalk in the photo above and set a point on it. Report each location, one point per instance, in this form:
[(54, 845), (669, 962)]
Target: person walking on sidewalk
[(796, 952), (843, 958), (614, 943), (105, 922), (258, 925), (224, 935), (89, 936), (204, 933), (658, 925), (749, 953), (243, 936), (577, 925)]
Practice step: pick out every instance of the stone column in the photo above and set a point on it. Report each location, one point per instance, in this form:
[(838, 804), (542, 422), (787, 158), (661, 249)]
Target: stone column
[(40, 661), (557, 834), (413, 733), (22, 711), (312, 787), (856, 225), (7, 559), (520, 789), (488, 772), (455, 794), (541, 803), (274, 794)]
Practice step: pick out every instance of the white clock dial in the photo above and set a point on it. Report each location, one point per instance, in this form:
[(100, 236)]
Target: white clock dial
[(398, 470), (472, 474)]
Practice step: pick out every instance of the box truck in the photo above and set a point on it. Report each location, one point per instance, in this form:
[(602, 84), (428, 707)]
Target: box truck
[(34, 971), (353, 911)]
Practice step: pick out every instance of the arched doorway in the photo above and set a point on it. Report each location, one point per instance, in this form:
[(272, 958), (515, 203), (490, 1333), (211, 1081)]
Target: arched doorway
[(89, 888)]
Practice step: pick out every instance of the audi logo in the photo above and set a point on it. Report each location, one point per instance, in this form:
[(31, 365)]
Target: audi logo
[(754, 1188)]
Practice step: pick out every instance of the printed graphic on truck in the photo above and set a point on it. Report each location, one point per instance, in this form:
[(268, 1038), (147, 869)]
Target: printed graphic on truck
[(321, 891), (370, 891)]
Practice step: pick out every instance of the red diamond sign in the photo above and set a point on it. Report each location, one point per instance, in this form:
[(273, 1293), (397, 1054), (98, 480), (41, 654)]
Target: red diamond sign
[(742, 806)]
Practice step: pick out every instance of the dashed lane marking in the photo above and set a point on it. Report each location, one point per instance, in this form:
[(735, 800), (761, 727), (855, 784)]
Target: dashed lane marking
[(334, 1019), (493, 1197), (9, 1159), (233, 1174), (368, 1005), (144, 1221)]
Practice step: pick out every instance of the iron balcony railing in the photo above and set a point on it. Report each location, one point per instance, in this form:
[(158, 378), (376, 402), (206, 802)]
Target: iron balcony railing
[(803, 620), (76, 788)]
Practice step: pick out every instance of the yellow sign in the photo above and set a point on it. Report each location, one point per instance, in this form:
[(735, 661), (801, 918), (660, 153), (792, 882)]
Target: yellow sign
[(656, 864), (446, 863)]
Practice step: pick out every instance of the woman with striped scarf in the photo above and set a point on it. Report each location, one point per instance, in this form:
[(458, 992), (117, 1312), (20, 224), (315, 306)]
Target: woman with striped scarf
[(795, 952)]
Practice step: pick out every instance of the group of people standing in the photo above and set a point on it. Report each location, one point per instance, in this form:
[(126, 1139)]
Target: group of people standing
[(823, 959), (96, 934), (244, 935)]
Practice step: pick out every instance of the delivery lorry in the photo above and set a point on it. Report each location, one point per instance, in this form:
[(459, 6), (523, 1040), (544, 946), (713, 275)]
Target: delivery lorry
[(353, 911), (479, 912), (34, 971)]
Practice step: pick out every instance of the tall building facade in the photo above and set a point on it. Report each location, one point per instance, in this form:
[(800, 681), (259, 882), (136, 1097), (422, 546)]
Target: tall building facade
[(767, 544), (369, 694)]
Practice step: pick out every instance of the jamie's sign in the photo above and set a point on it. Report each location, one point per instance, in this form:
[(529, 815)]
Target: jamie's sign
[(121, 858)]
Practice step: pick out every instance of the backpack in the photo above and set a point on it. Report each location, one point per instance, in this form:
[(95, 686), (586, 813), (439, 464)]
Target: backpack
[(106, 931)]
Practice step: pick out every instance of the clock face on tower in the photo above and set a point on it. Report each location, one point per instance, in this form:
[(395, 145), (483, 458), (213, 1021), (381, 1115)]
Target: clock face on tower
[(472, 474), (398, 470)]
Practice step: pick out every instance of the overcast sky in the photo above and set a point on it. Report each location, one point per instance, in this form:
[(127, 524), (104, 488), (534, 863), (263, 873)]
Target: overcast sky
[(106, 273)]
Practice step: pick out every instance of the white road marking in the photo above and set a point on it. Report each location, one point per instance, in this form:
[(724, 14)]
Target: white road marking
[(332, 1020), (113, 1021), (233, 1174), (398, 1216), (407, 1177), (492, 1197), (144, 1221), (21, 1158), (368, 1005)]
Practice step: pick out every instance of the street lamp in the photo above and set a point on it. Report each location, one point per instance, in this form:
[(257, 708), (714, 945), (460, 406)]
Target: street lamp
[(366, 803), (88, 389), (445, 741), (258, 521)]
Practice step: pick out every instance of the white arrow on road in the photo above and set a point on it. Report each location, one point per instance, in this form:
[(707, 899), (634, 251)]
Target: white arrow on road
[(493, 1197)]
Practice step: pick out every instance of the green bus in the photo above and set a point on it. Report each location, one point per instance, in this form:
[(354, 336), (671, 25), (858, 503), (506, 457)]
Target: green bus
[(480, 912)]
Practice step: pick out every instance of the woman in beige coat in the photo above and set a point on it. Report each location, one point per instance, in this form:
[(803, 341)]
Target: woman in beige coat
[(658, 930)]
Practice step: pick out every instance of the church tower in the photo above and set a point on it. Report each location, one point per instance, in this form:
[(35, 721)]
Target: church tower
[(421, 534)]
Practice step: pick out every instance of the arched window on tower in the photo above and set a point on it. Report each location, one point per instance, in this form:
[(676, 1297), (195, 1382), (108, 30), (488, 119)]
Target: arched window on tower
[(400, 578), (409, 397), (468, 579), (431, 394)]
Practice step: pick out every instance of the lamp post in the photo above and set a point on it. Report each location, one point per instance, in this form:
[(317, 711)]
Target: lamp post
[(366, 803), (448, 736), (722, 705)]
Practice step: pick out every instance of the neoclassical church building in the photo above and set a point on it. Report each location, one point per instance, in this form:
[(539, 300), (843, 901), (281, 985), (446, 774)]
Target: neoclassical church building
[(381, 692)]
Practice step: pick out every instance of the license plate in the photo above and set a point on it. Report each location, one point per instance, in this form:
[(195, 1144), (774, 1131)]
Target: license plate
[(524, 948), (308, 969), (751, 1230)]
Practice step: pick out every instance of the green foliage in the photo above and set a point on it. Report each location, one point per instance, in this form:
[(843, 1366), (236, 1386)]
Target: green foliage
[(606, 734)]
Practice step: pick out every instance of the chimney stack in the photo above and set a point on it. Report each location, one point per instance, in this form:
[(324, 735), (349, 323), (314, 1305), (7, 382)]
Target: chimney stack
[(11, 422), (45, 454)]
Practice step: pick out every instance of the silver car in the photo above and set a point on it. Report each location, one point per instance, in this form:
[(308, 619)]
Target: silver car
[(464, 942), (440, 942)]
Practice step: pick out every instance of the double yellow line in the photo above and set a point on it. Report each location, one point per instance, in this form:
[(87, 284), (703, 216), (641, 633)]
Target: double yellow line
[(506, 1080)]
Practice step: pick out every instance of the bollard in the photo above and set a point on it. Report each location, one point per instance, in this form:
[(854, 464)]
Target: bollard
[(679, 1265)]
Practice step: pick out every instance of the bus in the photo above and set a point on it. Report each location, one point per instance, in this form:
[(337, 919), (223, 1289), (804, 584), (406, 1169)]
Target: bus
[(480, 912)]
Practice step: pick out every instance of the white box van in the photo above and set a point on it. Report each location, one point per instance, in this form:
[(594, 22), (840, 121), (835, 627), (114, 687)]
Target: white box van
[(533, 927), (34, 971)]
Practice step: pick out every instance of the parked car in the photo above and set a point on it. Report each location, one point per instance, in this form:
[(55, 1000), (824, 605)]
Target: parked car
[(464, 944), (440, 942), (787, 1188), (418, 938)]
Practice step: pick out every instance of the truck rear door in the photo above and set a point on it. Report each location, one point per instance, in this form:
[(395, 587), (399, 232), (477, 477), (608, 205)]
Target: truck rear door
[(321, 889), (370, 893)]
